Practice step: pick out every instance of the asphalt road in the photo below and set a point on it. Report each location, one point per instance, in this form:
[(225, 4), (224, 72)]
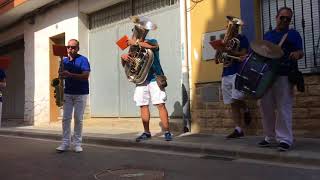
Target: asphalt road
[(36, 159)]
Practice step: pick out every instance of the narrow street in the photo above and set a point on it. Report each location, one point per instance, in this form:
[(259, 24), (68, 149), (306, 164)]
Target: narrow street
[(36, 159)]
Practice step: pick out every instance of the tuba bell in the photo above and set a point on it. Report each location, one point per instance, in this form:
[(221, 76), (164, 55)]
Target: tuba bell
[(230, 40), (138, 67)]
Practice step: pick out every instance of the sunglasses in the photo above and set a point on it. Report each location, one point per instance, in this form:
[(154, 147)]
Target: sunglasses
[(72, 47), (285, 18)]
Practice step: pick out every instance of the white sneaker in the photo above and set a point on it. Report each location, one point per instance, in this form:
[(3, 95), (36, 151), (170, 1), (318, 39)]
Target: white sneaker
[(78, 149), (63, 148)]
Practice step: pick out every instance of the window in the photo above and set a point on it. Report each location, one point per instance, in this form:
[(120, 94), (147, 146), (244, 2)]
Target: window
[(124, 10), (306, 21)]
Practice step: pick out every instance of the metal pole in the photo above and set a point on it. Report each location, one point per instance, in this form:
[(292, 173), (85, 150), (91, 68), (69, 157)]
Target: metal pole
[(185, 68)]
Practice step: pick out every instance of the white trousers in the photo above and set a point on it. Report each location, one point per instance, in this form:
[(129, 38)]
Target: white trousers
[(149, 91), (276, 110), (78, 104), (229, 91)]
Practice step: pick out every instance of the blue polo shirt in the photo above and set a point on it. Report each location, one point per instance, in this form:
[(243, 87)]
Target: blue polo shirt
[(234, 67), (156, 68), (292, 43), (77, 66), (2, 77)]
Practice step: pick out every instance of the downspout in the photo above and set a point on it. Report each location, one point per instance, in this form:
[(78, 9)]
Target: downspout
[(185, 66)]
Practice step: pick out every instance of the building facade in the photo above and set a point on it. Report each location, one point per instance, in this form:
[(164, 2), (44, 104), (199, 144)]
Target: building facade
[(209, 114), (28, 30)]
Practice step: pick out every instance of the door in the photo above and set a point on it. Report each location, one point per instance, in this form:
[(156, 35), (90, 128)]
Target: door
[(55, 111), (14, 93)]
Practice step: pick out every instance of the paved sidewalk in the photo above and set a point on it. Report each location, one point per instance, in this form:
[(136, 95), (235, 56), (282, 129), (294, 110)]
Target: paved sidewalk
[(305, 151)]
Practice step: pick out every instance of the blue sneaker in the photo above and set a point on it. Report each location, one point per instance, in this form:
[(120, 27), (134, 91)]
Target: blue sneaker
[(168, 136), (143, 136)]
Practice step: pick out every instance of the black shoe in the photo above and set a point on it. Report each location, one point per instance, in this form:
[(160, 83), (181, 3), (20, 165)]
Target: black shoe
[(247, 117), (283, 146), (264, 143), (235, 134), (143, 136)]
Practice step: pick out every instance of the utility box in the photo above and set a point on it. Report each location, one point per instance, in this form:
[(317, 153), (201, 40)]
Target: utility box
[(208, 52)]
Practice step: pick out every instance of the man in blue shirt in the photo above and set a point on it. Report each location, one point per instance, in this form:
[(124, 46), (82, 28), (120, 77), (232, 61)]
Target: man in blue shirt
[(230, 94), (75, 72), (276, 104), (150, 91), (3, 84)]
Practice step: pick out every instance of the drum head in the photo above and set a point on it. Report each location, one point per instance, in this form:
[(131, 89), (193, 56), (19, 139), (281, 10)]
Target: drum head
[(266, 49)]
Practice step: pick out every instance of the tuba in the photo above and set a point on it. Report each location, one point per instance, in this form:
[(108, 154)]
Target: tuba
[(230, 40), (138, 67)]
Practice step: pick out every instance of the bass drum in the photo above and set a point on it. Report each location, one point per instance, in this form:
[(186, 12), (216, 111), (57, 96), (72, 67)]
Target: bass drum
[(256, 75)]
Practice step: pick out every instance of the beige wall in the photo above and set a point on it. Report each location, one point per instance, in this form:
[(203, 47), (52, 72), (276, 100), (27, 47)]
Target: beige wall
[(206, 16)]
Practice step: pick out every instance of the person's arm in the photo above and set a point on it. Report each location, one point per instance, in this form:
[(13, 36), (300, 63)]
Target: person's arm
[(145, 44), (125, 57), (297, 42), (296, 55), (83, 76), (241, 52), (85, 72)]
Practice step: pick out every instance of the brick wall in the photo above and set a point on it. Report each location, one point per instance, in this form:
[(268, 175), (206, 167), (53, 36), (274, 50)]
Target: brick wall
[(210, 115)]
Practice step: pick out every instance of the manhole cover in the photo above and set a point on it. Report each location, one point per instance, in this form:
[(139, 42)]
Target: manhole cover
[(132, 174)]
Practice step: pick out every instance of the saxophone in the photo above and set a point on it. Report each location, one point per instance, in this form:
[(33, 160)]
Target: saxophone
[(230, 40), (138, 67), (58, 85)]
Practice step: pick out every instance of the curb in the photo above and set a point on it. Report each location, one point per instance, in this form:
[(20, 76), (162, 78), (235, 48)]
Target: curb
[(207, 150)]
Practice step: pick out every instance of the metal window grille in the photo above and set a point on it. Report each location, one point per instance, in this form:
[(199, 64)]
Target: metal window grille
[(125, 9), (305, 20)]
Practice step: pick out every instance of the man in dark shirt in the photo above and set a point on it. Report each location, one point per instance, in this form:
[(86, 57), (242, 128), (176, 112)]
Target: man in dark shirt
[(76, 72), (276, 104), (230, 68)]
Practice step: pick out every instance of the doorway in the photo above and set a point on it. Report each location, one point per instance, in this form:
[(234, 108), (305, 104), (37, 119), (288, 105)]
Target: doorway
[(55, 111), (14, 93)]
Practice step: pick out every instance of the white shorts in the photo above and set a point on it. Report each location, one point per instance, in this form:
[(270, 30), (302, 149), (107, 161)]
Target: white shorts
[(149, 91), (229, 92)]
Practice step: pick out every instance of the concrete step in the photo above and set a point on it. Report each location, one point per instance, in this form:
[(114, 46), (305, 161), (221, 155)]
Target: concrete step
[(130, 124)]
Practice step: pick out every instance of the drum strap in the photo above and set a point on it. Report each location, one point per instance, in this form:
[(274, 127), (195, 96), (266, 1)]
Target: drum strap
[(284, 37)]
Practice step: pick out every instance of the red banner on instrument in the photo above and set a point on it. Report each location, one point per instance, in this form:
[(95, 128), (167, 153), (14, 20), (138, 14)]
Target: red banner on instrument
[(59, 50), (217, 44), (5, 62), (122, 42)]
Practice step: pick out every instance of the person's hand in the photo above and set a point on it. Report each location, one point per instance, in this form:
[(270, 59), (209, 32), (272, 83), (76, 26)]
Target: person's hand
[(295, 55), (131, 42), (243, 57), (65, 74), (125, 57)]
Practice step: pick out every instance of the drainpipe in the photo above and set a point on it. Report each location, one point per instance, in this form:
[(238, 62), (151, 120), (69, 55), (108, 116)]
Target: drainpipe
[(185, 66)]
